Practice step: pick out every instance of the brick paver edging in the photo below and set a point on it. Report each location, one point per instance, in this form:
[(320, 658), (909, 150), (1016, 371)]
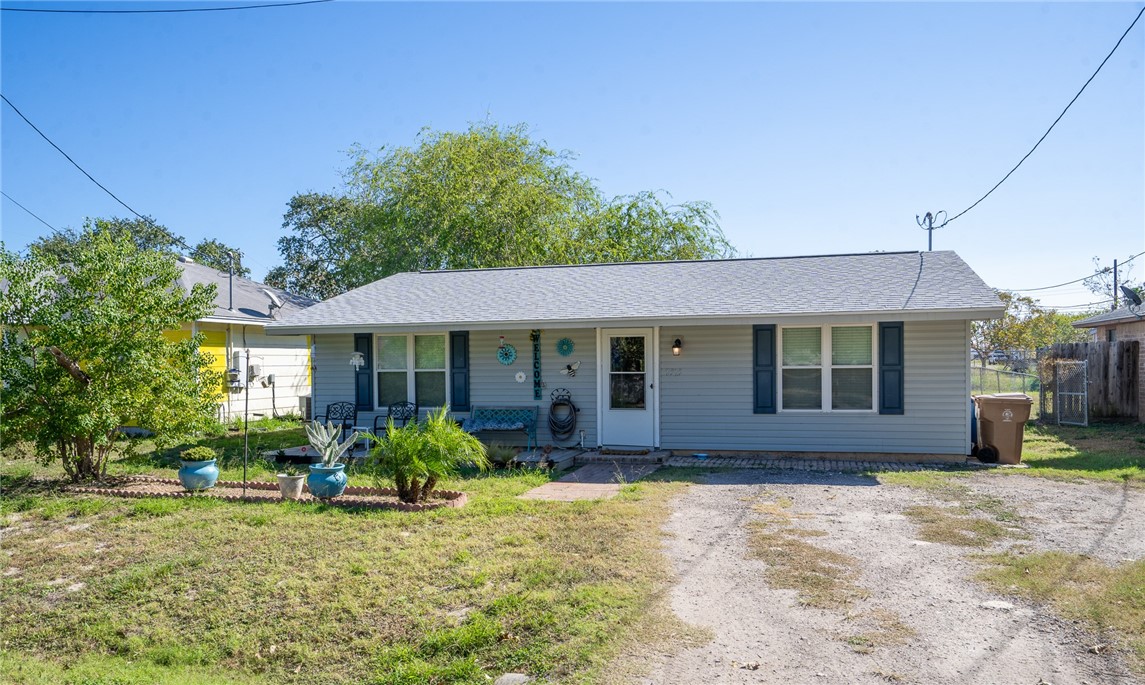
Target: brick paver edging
[(838, 465), (445, 498)]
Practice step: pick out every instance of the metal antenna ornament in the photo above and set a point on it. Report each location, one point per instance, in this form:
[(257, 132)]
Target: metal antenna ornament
[(927, 223)]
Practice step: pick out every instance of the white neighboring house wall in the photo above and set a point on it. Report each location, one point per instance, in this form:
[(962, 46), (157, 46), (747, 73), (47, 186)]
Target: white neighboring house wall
[(287, 358)]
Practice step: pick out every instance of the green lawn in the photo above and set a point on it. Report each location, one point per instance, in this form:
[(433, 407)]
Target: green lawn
[(110, 591), (1104, 451)]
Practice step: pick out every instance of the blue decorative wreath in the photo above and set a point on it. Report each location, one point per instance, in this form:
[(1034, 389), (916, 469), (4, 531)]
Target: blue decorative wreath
[(507, 354), (564, 347)]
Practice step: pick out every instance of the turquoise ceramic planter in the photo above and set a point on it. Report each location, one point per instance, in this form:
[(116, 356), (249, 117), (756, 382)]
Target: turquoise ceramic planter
[(198, 475), (326, 481)]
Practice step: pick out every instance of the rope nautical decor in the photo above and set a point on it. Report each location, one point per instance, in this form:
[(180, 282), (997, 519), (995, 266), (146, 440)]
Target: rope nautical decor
[(535, 336), (562, 414)]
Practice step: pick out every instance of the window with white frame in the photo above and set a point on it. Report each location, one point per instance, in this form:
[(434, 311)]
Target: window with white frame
[(411, 368), (832, 362)]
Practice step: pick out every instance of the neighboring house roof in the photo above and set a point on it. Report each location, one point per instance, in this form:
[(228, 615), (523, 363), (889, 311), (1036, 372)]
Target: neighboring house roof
[(704, 291), (1115, 316), (250, 305)]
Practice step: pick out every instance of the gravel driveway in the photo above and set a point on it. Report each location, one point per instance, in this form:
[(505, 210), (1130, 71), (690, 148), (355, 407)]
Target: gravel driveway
[(763, 635)]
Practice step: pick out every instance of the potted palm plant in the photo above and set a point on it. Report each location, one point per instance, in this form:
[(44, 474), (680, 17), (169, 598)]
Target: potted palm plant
[(291, 478), (416, 457), (198, 469), (328, 478)]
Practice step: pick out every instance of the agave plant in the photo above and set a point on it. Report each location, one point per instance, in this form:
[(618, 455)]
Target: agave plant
[(324, 438)]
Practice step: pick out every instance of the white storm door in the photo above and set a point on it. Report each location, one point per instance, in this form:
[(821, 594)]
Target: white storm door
[(628, 392)]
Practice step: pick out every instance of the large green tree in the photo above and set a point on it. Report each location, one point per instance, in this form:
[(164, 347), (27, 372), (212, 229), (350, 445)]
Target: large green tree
[(484, 197), (145, 234), (84, 350), (1025, 325)]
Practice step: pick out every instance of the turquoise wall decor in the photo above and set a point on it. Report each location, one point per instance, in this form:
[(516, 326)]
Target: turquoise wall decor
[(565, 347), (506, 354)]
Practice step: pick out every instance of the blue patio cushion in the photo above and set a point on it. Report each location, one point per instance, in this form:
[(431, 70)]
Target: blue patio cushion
[(479, 425)]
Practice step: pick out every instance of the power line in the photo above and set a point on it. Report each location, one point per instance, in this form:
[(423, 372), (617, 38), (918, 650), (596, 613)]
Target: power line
[(74, 163), (28, 211), (163, 11), (1035, 147), (1078, 280)]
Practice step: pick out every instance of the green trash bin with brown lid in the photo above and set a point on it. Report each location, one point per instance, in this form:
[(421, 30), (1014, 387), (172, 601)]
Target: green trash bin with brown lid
[(1001, 425)]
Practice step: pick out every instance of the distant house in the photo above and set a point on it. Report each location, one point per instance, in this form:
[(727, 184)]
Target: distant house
[(839, 353), (277, 373), (1122, 325)]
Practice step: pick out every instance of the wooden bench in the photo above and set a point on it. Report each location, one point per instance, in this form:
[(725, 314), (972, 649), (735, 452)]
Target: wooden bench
[(503, 419)]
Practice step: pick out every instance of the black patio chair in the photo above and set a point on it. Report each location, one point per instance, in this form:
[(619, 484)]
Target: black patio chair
[(344, 414), (401, 412)]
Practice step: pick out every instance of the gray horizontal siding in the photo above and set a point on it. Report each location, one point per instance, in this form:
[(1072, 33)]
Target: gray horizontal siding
[(709, 404), (494, 384), (490, 382)]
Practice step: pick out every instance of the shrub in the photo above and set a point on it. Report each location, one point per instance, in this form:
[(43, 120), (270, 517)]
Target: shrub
[(199, 453), (417, 456)]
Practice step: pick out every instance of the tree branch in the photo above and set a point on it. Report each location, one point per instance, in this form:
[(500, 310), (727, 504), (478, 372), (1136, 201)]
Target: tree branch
[(70, 366)]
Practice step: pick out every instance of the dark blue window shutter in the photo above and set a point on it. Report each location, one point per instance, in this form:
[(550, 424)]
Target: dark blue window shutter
[(763, 363), (459, 370), (891, 368), (363, 377)]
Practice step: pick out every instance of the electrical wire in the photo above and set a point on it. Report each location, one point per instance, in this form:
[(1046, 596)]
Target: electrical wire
[(74, 163), (1035, 147), (1076, 280), (163, 11), (29, 211)]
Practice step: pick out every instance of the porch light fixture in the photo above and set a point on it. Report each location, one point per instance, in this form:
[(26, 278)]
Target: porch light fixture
[(677, 345), (357, 360)]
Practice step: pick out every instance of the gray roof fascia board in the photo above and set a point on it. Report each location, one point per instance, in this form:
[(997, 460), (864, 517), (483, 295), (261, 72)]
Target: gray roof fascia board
[(1122, 315), (827, 318)]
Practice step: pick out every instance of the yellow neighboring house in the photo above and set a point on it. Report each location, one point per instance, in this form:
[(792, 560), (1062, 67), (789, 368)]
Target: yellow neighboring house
[(274, 371)]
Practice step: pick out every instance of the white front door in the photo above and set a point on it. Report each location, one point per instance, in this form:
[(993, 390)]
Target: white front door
[(627, 388)]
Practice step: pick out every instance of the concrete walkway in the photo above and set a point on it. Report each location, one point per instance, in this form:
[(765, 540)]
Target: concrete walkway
[(593, 481)]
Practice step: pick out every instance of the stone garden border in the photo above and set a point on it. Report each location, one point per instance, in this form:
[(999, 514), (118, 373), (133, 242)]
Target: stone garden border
[(353, 498)]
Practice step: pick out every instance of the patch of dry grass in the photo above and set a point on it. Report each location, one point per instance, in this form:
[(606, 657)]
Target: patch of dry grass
[(955, 526), (877, 628), (822, 578), (1111, 599)]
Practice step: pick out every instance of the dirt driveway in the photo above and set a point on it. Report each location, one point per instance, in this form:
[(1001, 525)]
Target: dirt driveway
[(944, 626)]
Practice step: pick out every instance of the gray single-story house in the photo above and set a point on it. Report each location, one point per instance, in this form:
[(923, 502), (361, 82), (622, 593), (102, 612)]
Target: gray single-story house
[(843, 353)]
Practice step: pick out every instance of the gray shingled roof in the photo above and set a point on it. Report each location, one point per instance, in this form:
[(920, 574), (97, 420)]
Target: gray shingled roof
[(1115, 316), (251, 305), (832, 284)]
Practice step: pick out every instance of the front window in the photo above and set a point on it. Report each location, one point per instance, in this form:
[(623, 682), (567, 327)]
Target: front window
[(411, 368), (827, 368)]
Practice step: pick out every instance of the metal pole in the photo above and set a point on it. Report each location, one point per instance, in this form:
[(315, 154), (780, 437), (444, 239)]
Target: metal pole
[(246, 409), (1115, 290), (231, 282)]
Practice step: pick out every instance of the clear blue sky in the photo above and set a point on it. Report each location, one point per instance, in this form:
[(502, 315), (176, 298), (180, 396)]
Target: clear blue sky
[(812, 128)]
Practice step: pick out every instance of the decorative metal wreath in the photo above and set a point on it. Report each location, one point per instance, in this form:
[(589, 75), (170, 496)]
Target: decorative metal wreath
[(507, 354), (565, 347)]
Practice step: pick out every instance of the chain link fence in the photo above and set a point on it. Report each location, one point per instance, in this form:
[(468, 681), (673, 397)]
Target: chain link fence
[(1065, 391), (986, 381)]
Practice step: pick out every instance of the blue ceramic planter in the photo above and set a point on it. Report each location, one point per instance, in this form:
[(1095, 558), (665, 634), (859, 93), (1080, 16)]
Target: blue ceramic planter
[(198, 475), (326, 481)]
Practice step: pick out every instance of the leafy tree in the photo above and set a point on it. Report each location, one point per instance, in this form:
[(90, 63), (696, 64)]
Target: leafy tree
[(1101, 282), (145, 234), (484, 197), (1025, 325), (215, 254), (85, 352), (325, 232)]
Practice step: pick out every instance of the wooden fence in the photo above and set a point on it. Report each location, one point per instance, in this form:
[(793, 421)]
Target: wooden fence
[(1113, 368)]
